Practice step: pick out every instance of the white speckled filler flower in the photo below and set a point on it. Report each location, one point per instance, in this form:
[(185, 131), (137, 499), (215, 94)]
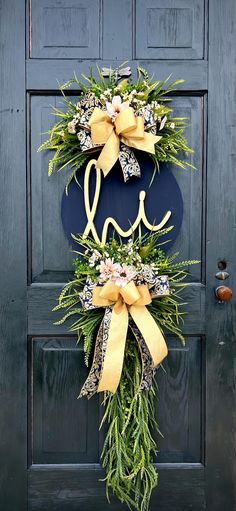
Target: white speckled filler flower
[(94, 258)]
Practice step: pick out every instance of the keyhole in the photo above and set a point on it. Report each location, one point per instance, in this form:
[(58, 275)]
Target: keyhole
[(222, 265)]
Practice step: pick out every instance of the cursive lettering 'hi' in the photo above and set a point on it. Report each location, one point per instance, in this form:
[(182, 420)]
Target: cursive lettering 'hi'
[(91, 211)]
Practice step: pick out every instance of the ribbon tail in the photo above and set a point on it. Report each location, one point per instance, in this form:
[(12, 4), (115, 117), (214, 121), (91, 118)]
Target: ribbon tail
[(91, 384), (115, 347), (109, 154), (147, 364), (147, 143), (129, 163), (150, 332)]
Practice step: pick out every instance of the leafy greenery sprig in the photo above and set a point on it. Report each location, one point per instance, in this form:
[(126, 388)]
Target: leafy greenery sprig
[(144, 92)]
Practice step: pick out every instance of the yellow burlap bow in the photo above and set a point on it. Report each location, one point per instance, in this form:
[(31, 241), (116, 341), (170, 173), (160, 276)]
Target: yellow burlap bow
[(130, 299), (127, 128)]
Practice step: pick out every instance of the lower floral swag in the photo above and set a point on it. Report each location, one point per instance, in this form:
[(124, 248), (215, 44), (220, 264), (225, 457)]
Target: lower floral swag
[(122, 297)]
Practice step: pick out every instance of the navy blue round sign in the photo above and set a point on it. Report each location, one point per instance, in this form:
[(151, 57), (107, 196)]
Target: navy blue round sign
[(121, 201)]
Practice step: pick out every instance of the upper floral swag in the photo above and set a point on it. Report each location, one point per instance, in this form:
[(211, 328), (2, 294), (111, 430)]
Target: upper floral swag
[(114, 118)]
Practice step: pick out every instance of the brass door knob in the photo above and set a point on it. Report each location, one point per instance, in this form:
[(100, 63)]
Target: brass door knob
[(223, 293)]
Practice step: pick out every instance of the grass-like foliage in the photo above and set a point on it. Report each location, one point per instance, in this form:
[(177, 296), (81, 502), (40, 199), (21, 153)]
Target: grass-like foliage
[(64, 137), (129, 448)]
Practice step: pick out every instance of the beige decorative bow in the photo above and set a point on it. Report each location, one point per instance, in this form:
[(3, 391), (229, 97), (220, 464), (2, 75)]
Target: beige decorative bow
[(128, 300), (127, 128)]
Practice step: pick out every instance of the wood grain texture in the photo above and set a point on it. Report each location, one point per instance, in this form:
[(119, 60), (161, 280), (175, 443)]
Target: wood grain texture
[(44, 75), (64, 429), (69, 489), (180, 408), (113, 14), (172, 30), (13, 354), (56, 376), (65, 29), (49, 250), (221, 242), (190, 242), (43, 297)]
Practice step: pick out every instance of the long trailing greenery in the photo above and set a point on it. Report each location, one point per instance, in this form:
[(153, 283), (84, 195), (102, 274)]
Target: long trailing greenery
[(129, 448), (64, 136)]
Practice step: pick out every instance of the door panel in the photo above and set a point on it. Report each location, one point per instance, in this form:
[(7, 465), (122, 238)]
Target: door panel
[(44, 42), (180, 408), (65, 30), (50, 251), (177, 490), (61, 432), (170, 30)]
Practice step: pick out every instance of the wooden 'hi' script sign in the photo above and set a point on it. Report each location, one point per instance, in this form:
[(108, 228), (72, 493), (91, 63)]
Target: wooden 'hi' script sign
[(103, 206)]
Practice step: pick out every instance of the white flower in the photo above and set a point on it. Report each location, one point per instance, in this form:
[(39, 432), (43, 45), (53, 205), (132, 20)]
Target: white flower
[(72, 126), (163, 121), (115, 107), (172, 125)]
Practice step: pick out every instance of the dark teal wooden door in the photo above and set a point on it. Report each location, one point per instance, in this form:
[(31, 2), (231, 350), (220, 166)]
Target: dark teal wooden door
[(49, 443)]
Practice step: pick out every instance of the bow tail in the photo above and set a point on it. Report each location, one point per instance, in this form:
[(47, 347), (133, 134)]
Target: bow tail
[(91, 384), (129, 163), (146, 143), (116, 334), (109, 153), (147, 364), (150, 332)]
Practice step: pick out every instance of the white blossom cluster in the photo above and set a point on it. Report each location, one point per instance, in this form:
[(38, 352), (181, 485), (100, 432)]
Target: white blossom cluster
[(135, 99)]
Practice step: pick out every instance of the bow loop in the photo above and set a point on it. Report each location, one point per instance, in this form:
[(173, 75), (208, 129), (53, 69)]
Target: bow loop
[(126, 121), (101, 126), (99, 115), (109, 292), (131, 294)]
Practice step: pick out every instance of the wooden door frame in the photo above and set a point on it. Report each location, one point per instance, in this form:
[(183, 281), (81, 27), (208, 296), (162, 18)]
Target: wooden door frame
[(13, 249), (220, 244)]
